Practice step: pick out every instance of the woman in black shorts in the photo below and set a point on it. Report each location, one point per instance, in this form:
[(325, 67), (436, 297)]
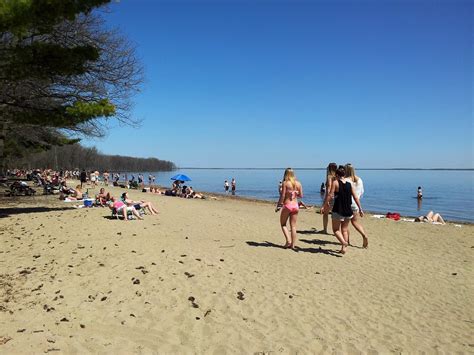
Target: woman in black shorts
[(342, 193)]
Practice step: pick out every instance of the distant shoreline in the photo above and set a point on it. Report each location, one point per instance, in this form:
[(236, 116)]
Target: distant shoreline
[(296, 168)]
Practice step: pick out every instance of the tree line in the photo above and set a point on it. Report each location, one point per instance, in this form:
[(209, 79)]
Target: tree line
[(75, 156)]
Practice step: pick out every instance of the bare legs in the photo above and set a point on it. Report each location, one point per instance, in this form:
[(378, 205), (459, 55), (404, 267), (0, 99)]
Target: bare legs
[(293, 218), (340, 229), (325, 221), (358, 226), (136, 214), (289, 236), (125, 211), (435, 217), (150, 207)]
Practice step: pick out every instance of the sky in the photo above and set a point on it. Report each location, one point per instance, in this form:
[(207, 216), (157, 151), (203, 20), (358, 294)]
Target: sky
[(380, 84)]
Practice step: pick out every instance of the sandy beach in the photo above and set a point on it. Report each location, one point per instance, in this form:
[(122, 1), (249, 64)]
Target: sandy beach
[(210, 277)]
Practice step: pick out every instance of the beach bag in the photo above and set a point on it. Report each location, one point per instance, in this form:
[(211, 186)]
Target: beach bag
[(395, 216)]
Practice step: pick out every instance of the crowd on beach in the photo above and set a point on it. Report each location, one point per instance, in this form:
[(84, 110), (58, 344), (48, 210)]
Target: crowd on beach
[(56, 182), (342, 191)]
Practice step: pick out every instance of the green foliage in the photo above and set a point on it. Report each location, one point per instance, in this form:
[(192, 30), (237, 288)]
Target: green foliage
[(83, 111), (44, 60), (34, 140), (20, 16), (76, 156), (68, 116), (61, 71)]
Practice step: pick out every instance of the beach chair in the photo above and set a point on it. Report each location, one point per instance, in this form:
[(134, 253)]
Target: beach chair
[(19, 189), (118, 215)]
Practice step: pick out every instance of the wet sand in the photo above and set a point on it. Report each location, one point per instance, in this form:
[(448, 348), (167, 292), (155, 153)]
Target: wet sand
[(210, 276)]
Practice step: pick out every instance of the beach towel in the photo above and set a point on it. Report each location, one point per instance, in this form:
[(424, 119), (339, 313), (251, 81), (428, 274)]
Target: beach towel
[(393, 215)]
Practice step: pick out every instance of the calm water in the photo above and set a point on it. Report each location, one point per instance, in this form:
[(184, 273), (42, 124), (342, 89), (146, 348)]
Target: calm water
[(446, 192)]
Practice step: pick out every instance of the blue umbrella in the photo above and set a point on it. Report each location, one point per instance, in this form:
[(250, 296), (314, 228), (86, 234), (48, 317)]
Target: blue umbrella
[(181, 177)]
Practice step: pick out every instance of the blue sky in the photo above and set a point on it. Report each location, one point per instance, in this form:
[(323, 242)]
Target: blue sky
[(300, 83)]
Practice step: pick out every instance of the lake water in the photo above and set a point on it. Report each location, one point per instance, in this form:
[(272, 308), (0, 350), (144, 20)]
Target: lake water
[(447, 192)]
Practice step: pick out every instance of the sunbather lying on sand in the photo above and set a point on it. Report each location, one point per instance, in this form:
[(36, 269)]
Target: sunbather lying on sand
[(431, 217)]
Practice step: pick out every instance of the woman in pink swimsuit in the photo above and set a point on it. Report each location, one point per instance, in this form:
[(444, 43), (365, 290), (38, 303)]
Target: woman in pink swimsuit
[(288, 203)]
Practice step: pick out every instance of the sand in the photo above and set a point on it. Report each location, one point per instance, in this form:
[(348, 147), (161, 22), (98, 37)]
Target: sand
[(210, 277)]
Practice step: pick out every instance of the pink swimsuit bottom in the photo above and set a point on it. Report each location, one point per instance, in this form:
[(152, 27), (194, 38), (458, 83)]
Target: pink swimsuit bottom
[(292, 206)]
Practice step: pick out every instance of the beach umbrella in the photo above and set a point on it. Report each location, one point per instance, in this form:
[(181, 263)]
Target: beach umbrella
[(181, 177)]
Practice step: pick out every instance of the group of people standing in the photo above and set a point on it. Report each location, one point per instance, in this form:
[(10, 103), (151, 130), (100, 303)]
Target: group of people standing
[(233, 186), (343, 189)]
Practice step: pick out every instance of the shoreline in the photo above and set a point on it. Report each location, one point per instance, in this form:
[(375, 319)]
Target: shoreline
[(265, 201)]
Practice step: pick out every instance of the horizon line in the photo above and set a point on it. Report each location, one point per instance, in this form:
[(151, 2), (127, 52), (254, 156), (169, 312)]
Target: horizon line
[(296, 168)]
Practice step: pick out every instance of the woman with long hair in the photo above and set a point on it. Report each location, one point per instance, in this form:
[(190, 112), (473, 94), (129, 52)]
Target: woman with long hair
[(330, 177), (288, 203), (358, 185), (341, 192)]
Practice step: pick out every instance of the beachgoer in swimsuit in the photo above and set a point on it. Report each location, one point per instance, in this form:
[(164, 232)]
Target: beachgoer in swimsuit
[(76, 194), (233, 186), (139, 204), (431, 217), (419, 194), (330, 177), (358, 185), (122, 208), (341, 191), (288, 203)]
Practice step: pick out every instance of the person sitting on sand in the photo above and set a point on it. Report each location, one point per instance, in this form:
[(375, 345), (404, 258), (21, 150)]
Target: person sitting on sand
[(176, 187), (64, 190), (122, 208), (190, 193), (139, 204), (155, 190), (431, 217), (103, 197)]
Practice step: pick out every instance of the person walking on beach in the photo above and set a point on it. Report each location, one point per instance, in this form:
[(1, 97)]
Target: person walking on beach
[(288, 203), (106, 175), (341, 192), (233, 186), (83, 177), (330, 177), (226, 186), (358, 186)]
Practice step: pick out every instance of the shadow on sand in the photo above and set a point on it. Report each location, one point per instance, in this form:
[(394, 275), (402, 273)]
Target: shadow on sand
[(6, 212), (323, 242), (319, 250)]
